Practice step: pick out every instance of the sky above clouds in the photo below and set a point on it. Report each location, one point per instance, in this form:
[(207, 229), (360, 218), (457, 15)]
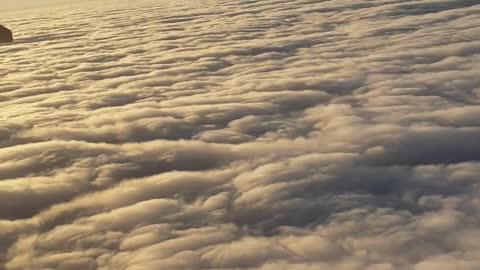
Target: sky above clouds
[(13, 5), (229, 135)]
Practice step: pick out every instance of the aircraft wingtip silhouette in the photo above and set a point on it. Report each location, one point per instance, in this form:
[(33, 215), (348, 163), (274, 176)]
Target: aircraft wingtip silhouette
[(6, 35)]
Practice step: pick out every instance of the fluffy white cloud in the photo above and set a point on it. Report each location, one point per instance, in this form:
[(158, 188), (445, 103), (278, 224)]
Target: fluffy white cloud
[(229, 135)]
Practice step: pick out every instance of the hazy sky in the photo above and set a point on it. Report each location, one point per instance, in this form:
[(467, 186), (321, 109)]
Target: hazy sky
[(7, 5), (241, 135)]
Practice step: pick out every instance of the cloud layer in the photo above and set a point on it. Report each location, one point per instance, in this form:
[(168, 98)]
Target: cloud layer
[(227, 135)]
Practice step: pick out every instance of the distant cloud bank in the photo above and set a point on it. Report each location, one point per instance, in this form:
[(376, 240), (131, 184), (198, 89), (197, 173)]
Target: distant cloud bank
[(222, 134)]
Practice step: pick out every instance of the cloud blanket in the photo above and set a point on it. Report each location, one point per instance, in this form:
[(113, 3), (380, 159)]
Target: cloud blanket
[(226, 134)]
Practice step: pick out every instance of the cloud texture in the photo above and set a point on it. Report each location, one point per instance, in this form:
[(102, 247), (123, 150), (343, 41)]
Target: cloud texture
[(222, 134)]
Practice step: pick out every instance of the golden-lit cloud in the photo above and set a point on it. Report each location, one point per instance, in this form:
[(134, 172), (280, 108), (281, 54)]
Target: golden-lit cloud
[(227, 135)]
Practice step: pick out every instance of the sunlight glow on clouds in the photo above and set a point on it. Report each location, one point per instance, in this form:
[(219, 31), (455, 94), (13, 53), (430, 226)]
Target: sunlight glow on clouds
[(226, 134)]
